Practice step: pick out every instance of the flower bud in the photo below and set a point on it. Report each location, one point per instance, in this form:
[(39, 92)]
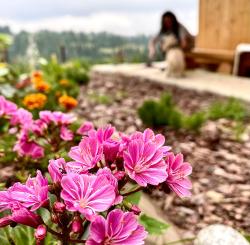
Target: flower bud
[(40, 232), (5, 221), (76, 226), (135, 209), (54, 218), (59, 207), (119, 175)]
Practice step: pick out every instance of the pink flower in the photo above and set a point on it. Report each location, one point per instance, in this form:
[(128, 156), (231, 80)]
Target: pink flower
[(5, 221), (118, 229), (149, 136), (85, 128), (102, 134), (6, 107), (87, 194), (88, 152), (144, 163), (111, 150), (5, 200), (112, 180), (40, 232), (59, 167), (23, 118), (56, 169), (24, 216), (26, 147), (177, 175), (33, 194), (38, 127), (57, 117), (66, 134)]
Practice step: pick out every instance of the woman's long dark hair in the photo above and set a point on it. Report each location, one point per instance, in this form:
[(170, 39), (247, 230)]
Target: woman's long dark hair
[(175, 24)]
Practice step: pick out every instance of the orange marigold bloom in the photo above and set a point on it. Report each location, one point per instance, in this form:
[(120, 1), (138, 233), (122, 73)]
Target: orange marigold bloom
[(42, 86), (64, 82), (68, 102), (36, 77), (35, 101)]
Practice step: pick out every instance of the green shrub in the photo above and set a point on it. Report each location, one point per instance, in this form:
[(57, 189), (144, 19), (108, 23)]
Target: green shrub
[(232, 109), (153, 114), (194, 121), (162, 113), (165, 113)]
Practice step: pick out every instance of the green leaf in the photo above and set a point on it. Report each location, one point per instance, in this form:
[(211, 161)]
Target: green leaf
[(134, 198), (247, 236), (153, 226), (20, 235)]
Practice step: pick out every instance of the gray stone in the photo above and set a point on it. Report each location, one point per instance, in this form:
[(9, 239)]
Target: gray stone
[(220, 235)]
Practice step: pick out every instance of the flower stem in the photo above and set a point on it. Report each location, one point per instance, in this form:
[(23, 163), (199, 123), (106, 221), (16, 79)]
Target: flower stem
[(139, 188), (180, 241), (57, 234), (77, 241)]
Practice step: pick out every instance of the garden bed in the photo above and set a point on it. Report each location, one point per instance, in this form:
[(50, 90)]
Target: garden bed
[(220, 160)]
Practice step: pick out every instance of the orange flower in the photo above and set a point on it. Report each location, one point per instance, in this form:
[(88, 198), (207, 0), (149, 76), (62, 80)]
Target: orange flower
[(58, 94), (68, 102), (42, 86), (64, 82), (37, 74), (36, 77), (35, 101)]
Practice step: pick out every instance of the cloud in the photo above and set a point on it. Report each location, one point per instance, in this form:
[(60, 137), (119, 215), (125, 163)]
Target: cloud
[(36, 9), (128, 17)]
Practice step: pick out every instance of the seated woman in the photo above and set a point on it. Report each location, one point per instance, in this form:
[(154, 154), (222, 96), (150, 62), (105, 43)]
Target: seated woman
[(170, 25)]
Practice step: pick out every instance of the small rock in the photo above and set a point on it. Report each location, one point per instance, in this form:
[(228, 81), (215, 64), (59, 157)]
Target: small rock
[(214, 196), (219, 235)]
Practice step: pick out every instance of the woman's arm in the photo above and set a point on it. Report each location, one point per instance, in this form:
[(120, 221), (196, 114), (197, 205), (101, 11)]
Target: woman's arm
[(152, 47), (186, 39)]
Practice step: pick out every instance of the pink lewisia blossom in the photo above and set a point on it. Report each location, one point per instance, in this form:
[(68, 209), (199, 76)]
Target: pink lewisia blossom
[(39, 127), (22, 216), (144, 163), (26, 147), (118, 229), (23, 118), (5, 200), (149, 136), (112, 180), (56, 169), (57, 117), (87, 194), (59, 167), (110, 150), (5, 221), (66, 134), (89, 152), (6, 107), (85, 128), (177, 175), (33, 194), (102, 134), (40, 232)]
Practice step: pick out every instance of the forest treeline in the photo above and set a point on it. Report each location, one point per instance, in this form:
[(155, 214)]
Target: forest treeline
[(94, 47)]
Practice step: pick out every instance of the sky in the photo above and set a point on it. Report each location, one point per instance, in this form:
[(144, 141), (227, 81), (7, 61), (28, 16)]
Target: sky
[(123, 17)]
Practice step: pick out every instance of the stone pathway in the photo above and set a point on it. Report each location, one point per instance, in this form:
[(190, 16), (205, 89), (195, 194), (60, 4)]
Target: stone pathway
[(199, 80)]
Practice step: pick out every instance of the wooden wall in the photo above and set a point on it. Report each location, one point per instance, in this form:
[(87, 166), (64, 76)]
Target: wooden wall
[(223, 24)]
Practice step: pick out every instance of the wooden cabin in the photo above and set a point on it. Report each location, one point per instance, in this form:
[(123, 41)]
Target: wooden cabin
[(223, 24)]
